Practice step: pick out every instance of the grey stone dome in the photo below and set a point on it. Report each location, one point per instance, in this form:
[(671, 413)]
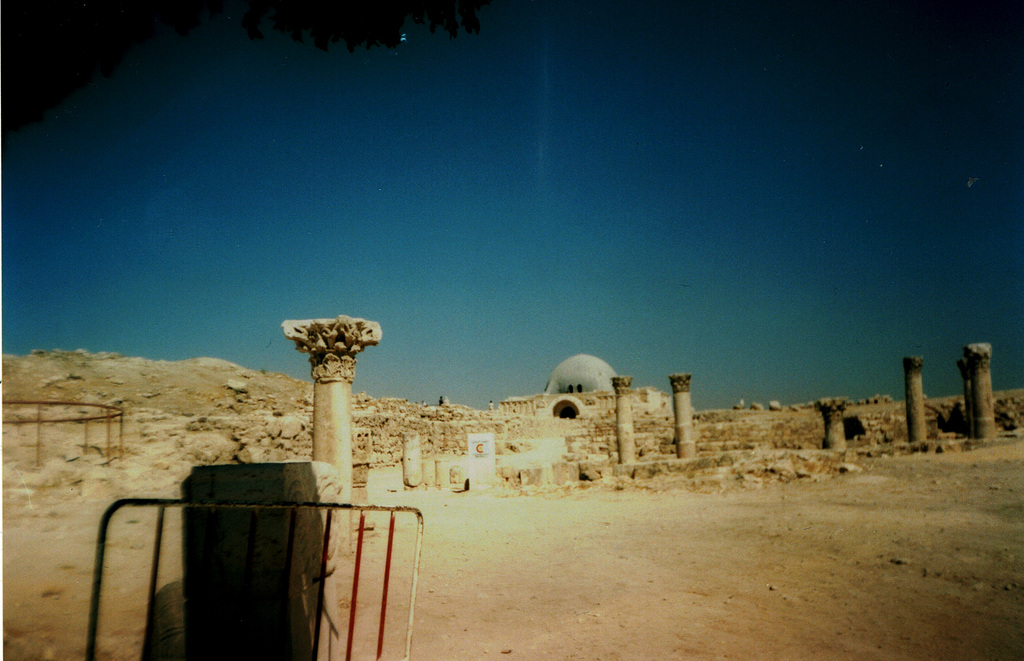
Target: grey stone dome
[(581, 373)]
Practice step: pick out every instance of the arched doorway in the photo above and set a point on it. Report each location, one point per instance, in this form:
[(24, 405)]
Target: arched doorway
[(565, 409)]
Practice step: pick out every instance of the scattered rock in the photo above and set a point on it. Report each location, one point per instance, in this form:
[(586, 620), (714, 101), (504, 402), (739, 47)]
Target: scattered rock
[(286, 427), (237, 385), (209, 447)]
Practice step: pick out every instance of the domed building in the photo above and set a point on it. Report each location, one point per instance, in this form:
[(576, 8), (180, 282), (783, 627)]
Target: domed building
[(581, 373), (581, 386)]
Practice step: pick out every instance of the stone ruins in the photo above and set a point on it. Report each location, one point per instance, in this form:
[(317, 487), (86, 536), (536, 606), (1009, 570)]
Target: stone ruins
[(607, 427), (582, 426), (332, 345)]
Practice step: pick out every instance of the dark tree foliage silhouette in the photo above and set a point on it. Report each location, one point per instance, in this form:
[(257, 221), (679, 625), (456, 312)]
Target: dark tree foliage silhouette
[(53, 47)]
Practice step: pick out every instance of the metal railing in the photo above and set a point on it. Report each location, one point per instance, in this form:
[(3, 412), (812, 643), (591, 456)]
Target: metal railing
[(110, 413), (326, 549)]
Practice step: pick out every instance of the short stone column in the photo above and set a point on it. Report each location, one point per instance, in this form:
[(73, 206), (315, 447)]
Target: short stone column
[(412, 460), (968, 402), (831, 410), (332, 345), (917, 430), (682, 406), (624, 419), (979, 359)]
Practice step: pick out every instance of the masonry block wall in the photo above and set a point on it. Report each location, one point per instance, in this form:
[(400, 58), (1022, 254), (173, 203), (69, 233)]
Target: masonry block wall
[(379, 424)]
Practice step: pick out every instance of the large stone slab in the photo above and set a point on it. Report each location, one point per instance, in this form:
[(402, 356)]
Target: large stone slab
[(246, 595), (564, 471)]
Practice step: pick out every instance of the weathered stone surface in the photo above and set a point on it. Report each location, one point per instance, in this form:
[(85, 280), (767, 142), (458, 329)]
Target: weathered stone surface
[(648, 469), (564, 471), (509, 474), (979, 359), (286, 427), (443, 476), (682, 407), (594, 470), (332, 344), (831, 410), (412, 461), (219, 589), (624, 419), (531, 477), (623, 470), (209, 447), (914, 394)]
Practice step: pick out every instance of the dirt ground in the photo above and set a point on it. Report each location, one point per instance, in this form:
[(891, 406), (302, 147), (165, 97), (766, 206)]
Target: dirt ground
[(917, 557)]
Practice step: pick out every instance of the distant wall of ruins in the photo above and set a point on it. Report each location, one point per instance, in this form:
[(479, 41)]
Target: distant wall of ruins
[(443, 429)]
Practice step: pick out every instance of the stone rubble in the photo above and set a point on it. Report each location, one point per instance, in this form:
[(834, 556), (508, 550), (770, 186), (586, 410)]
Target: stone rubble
[(190, 412)]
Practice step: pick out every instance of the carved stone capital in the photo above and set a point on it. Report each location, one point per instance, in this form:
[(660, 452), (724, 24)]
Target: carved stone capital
[(978, 356), (680, 382), (913, 364), (831, 405), (622, 384), (332, 344)]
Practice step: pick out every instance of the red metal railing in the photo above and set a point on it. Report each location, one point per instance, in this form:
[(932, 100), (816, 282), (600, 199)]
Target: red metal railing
[(324, 550), (109, 414)]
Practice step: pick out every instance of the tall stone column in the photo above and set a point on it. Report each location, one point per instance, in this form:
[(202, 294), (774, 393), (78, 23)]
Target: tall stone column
[(332, 345), (965, 374), (412, 460), (917, 430), (624, 419), (831, 410), (979, 359), (682, 406)]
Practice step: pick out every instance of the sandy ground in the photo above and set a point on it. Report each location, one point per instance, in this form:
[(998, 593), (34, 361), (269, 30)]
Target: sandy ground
[(918, 557)]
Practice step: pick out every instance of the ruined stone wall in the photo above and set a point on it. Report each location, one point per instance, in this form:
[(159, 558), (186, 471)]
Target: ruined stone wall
[(443, 429), (380, 424)]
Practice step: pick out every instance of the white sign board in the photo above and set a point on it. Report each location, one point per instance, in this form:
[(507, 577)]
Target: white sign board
[(480, 468)]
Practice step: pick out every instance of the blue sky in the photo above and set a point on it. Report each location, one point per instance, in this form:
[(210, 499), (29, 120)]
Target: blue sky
[(772, 199)]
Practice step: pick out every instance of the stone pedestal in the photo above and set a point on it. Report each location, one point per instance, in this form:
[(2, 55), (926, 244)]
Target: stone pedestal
[(831, 410), (246, 595), (686, 438), (917, 430), (332, 345), (624, 419), (968, 396), (442, 473), (979, 359), (429, 473), (412, 460)]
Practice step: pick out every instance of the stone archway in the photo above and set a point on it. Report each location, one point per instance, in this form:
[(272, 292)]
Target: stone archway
[(566, 409)]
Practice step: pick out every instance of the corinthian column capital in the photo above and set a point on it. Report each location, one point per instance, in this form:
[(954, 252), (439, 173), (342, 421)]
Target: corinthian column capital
[(978, 356), (680, 382), (913, 364), (332, 344), (622, 384), (831, 405)]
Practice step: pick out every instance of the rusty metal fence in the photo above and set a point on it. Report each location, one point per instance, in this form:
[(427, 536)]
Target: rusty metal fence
[(249, 574), (108, 415)]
